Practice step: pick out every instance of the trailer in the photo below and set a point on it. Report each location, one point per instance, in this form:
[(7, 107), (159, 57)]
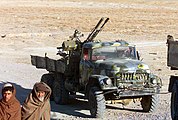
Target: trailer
[(172, 62)]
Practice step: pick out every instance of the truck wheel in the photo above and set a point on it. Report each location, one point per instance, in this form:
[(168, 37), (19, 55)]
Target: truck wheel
[(48, 79), (149, 103), (96, 102), (60, 94), (174, 104)]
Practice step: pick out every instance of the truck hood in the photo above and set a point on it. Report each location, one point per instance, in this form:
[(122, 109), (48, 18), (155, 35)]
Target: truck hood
[(121, 65)]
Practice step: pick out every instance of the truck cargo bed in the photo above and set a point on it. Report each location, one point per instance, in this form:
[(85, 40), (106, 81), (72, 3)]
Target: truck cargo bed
[(48, 64)]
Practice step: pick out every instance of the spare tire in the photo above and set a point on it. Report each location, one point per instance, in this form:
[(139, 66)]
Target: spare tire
[(60, 94), (48, 79)]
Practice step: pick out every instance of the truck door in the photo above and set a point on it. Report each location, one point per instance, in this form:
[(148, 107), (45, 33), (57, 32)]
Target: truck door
[(86, 66)]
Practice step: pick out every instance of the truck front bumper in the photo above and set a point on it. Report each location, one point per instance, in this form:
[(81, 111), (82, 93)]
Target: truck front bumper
[(132, 92)]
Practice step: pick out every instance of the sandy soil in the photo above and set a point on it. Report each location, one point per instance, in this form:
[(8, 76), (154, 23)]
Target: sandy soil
[(39, 26)]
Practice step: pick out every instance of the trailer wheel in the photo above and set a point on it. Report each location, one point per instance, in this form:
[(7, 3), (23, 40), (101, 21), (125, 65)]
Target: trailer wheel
[(96, 102), (149, 103), (48, 79), (60, 94), (174, 103)]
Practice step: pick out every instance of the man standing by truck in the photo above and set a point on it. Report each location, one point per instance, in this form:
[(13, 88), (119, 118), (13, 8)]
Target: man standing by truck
[(37, 104)]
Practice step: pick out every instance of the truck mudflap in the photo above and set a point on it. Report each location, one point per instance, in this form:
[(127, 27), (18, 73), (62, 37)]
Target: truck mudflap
[(48, 64)]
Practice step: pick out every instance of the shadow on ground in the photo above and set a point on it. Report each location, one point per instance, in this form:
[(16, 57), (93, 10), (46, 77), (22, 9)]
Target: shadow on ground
[(127, 109), (74, 108), (80, 108)]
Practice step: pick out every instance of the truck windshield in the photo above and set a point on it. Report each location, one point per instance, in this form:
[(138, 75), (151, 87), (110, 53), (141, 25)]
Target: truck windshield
[(108, 52)]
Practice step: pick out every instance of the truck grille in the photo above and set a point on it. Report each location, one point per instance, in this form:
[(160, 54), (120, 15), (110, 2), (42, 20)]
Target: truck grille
[(127, 79), (132, 76)]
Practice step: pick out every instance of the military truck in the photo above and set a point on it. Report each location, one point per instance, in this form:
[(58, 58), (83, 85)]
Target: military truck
[(172, 57), (102, 71)]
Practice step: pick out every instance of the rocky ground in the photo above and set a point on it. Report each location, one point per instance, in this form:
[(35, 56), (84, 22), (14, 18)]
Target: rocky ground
[(39, 26)]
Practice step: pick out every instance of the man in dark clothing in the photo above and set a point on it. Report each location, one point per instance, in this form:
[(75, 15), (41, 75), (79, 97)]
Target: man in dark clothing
[(9, 106)]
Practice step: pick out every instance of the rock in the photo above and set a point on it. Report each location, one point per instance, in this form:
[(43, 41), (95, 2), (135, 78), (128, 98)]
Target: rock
[(159, 69), (153, 53), (3, 36)]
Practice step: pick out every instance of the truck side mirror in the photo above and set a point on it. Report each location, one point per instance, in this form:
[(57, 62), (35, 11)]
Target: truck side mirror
[(138, 55)]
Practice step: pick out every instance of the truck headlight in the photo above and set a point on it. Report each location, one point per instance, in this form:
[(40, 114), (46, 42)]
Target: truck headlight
[(154, 81), (107, 81)]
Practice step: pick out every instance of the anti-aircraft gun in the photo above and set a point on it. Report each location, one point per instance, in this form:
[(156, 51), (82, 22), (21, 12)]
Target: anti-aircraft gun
[(105, 72), (96, 29), (73, 47), (74, 42)]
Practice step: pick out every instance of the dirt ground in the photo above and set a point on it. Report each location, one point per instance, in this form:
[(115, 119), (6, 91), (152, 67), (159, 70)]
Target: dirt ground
[(38, 26)]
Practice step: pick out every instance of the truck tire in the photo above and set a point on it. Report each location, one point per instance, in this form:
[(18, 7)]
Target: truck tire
[(149, 103), (96, 102), (48, 79), (60, 94), (174, 103)]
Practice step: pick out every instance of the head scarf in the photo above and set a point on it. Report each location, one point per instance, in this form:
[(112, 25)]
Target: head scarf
[(11, 109), (33, 108)]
